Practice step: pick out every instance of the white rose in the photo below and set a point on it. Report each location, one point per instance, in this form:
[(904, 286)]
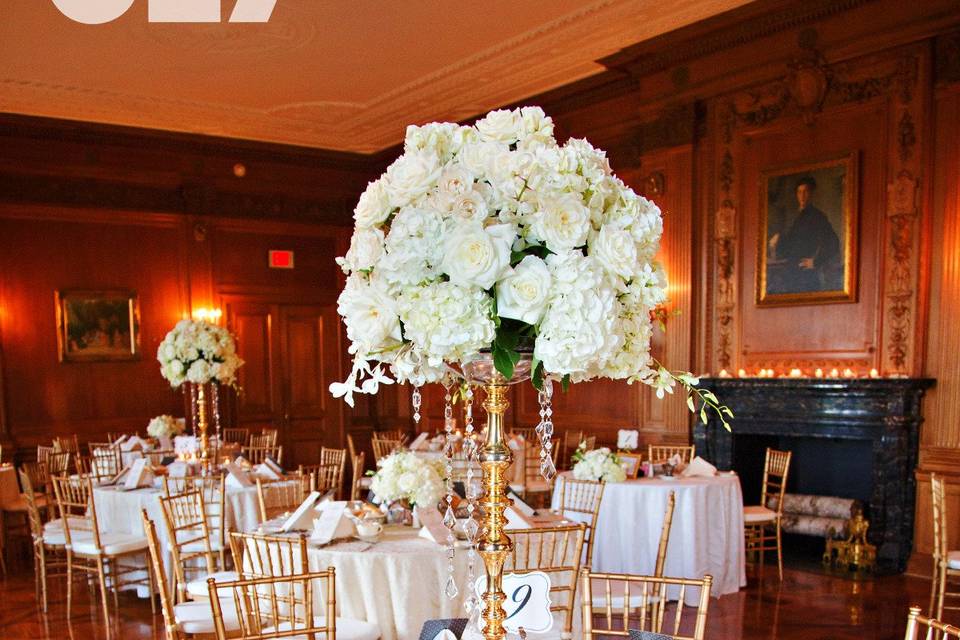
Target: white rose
[(373, 207), (471, 206), (366, 247), (369, 313), (474, 255), (475, 156), (523, 293), (410, 176), (615, 249), (501, 125), (562, 222)]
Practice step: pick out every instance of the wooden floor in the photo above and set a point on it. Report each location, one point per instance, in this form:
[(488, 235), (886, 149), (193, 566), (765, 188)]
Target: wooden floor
[(806, 606)]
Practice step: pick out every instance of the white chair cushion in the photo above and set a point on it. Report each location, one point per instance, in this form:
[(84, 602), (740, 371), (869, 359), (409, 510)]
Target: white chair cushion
[(347, 629), (111, 544), (194, 547), (197, 617), (756, 513), (197, 589), (953, 559), (54, 537)]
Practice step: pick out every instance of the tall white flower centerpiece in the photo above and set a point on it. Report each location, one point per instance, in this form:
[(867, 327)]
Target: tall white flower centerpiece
[(199, 357), (492, 253)]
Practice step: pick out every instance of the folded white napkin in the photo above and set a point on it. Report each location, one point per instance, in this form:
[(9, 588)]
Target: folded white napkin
[(267, 472), (628, 439), (699, 467)]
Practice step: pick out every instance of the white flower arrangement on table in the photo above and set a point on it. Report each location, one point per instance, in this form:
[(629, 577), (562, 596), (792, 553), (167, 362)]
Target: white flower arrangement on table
[(495, 237), (165, 427), (597, 465), (200, 352), (404, 476)]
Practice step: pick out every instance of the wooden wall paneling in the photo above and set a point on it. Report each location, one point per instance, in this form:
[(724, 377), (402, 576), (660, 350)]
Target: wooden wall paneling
[(44, 249), (253, 322)]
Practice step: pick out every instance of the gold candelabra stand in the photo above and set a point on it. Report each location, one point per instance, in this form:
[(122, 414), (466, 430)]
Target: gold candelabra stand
[(495, 459), (202, 419)]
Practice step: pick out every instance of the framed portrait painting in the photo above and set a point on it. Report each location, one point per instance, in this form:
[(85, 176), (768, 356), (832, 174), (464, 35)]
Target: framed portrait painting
[(98, 325), (808, 233)]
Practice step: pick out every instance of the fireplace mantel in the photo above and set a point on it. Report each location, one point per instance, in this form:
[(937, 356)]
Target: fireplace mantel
[(884, 411)]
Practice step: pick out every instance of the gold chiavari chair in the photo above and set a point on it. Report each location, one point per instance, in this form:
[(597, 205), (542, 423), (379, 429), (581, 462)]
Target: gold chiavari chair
[(182, 620), (665, 535), (276, 607), (14, 519), (266, 438), (351, 447), (391, 434), (325, 477), (91, 446), (761, 523), (49, 544), (283, 496), (237, 435), (257, 455), (946, 563), (360, 483), (105, 463), (556, 551), (92, 552), (663, 452), (156, 456), (258, 555), (383, 447), (654, 596), (214, 490), (529, 434), (335, 457), (44, 452), (188, 540), (568, 444), (533, 480), (67, 444), (582, 497), (936, 630)]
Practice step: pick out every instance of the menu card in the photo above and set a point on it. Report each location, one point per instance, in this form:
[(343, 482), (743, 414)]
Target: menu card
[(332, 522), (433, 527), (237, 477), (267, 472), (139, 475), (303, 517), (417, 444)]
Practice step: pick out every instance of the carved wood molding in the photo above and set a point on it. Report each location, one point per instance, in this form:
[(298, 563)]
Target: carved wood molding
[(894, 76)]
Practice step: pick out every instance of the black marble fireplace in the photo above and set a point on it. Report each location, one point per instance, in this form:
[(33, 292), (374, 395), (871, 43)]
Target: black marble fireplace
[(855, 438)]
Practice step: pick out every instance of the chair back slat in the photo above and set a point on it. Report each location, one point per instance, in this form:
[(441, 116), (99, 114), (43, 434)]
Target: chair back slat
[(358, 463), (582, 497), (278, 497), (776, 467), (644, 603), (77, 509), (188, 537), (556, 551), (658, 453), (258, 555), (382, 447), (259, 454), (665, 535)]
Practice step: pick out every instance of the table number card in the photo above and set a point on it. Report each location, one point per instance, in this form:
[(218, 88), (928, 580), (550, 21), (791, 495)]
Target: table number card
[(271, 464), (267, 472), (527, 604), (304, 516)]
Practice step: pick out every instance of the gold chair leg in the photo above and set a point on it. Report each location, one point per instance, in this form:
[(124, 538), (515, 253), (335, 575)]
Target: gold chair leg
[(115, 583), (103, 589), (69, 581), (779, 554), (934, 581), (152, 587)]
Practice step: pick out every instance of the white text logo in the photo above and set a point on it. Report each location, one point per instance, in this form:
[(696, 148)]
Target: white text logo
[(101, 11)]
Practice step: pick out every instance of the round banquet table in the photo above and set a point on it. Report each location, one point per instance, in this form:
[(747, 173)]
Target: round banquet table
[(397, 583), (706, 536), (118, 511)]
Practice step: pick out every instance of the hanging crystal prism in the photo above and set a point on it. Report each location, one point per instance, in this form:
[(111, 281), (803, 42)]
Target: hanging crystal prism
[(545, 430), (450, 516)]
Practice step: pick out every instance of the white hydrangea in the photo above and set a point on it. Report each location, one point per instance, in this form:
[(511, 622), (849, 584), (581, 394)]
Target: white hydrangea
[(403, 475), (165, 426), (490, 228), (598, 465), (200, 352)]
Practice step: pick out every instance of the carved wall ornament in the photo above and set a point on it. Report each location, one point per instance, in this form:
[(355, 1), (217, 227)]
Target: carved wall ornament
[(726, 172), (902, 195), (808, 81), (761, 106), (906, 136), (653, 185), (726, 298), (200, 232)]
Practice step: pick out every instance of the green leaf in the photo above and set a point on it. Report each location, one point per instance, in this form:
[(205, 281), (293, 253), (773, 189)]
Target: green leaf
[(503, 361), (703, 414), (727, 411), (565, 383), (537, 376), (693, 407)]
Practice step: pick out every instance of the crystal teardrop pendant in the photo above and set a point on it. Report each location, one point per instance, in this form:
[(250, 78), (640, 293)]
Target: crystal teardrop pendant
[(451, 590), (449, 518)]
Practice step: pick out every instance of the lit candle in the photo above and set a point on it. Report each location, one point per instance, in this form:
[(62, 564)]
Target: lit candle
[(818, 373), (834, 373), (874, 373), (742, 373), (848, 373), (796, 373), (724, 374), (770, 373)]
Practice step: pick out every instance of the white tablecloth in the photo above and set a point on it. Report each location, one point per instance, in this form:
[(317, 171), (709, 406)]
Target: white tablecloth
[(397, 583), (706, 536)]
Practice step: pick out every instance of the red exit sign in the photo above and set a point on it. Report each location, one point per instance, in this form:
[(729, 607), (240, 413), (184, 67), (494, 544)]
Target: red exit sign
[(278, 259)]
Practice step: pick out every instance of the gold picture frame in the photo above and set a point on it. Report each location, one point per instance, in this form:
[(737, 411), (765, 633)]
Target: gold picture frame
[(807, 243), (97, 326)]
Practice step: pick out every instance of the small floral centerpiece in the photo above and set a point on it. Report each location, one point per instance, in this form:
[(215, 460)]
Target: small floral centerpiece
[(165, 427), (200, 352), (404, 477), (598, 465)]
